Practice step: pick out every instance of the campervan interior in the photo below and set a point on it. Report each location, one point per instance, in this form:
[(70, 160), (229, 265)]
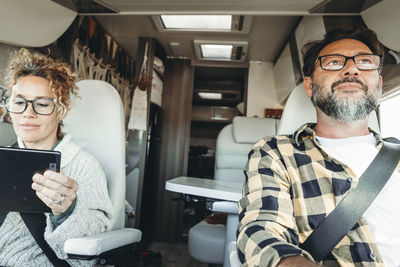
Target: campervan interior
[(199, 83)]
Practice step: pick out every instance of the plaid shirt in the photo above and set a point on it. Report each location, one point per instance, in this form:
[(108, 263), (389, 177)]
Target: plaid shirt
[(292, 184)]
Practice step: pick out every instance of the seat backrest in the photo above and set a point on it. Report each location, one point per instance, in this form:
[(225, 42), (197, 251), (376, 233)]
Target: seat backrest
[(7, 134), (234, 143), (299, 110), (96, 123)]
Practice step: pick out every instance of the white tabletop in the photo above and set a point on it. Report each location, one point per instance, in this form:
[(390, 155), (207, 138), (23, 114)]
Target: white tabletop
[(216, 189)]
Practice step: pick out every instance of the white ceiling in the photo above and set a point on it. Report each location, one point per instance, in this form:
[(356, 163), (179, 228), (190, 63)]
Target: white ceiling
[(266, 38), (212, 6), (273, 20)]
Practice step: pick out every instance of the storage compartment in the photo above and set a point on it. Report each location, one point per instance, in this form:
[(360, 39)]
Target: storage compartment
[(214, 113)]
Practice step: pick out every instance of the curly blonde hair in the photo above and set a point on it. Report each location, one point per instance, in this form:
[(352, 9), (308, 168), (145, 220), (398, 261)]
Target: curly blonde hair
[(57, 73)]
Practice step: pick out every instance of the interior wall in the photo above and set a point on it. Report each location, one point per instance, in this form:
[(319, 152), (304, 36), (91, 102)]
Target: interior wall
[(310, 28), (284, 75), (261, 89), (175, 139), (384, 19)]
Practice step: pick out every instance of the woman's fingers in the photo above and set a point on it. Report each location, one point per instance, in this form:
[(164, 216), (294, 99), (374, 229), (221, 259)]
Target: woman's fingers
[(59, 178), (57, 208), (57, 182), (56, 190)]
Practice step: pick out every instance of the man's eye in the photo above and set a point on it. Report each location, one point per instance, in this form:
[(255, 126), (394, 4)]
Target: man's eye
[(333, 62), (365, 61)]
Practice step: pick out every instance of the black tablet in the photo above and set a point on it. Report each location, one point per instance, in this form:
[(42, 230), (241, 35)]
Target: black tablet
[(17, 167)]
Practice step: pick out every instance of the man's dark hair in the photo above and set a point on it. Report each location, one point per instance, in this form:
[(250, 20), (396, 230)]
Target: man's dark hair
[(311, 50)]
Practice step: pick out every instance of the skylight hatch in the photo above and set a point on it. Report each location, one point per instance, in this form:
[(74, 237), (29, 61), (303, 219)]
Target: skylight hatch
[(209, 23), (221, 50)]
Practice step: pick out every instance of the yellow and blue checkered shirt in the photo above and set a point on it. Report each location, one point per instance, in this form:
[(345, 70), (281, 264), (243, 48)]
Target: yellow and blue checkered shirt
[(291, 185)]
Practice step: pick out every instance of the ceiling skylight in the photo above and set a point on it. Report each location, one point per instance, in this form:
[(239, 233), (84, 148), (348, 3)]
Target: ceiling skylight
[(221, 50), (208, 23), (198, 22), (216, 51)]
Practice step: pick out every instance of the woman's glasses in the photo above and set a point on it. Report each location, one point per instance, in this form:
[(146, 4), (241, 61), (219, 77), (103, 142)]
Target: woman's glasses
[(41, 105)]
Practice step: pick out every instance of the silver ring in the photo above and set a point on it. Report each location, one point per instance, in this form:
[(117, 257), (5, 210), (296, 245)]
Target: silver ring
[(60, 200)]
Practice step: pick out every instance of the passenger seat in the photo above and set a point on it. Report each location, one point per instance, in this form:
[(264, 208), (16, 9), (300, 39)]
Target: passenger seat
[(234, 142)]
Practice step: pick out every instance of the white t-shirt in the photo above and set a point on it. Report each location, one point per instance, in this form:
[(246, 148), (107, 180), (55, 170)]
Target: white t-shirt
[(383, 216)]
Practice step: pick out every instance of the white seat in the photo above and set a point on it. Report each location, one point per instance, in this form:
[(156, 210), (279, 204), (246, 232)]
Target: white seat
[(209, 242), (96, 122), (7, 134), (298, 110)]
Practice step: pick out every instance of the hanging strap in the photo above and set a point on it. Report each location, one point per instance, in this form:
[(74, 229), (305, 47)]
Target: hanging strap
[(36, 223), (343, 218), (143, 68)]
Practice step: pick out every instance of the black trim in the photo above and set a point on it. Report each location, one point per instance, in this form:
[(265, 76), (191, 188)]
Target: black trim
[(343, 6)]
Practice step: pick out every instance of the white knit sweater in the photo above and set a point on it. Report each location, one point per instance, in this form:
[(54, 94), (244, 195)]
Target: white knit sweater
[(92, 213)]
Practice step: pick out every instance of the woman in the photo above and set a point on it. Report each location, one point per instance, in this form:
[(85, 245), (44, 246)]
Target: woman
[(40, 90)]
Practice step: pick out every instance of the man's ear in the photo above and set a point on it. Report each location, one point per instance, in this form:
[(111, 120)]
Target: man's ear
[(380, 81), (307, 82)]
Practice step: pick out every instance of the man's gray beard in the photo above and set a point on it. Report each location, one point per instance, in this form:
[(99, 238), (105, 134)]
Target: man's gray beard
[(345, 109)]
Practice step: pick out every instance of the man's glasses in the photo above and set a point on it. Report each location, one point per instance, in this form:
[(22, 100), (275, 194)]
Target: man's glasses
[(18, 104), (362, 62)]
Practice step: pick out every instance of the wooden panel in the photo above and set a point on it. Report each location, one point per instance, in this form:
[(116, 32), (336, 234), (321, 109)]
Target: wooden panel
[(177, 105)]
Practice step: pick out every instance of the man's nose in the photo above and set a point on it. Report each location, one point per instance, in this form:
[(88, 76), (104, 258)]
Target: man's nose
[(350, 68)]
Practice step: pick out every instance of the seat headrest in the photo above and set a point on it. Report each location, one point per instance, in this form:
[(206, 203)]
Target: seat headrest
[(299, 110), (250, 130), (7, 134)]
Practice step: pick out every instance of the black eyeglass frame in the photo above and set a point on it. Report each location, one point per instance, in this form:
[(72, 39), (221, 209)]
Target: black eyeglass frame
[(347, 58), (32, 103)]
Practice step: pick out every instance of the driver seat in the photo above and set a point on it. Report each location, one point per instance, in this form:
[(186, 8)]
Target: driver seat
[(298, 110)]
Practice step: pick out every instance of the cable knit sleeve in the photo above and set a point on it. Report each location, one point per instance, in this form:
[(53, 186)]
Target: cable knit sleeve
[(93, 210)]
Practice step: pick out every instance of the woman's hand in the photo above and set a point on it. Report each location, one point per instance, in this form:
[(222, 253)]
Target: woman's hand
[(56, 190)]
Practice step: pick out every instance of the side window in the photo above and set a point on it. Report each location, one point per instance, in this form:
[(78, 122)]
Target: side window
[(389, 111)]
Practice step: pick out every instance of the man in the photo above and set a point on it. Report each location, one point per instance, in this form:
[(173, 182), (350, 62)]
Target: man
[(293, 182)]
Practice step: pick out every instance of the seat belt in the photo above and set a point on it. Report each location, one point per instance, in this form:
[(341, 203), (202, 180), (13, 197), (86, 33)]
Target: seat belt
[(347, 213), (36, 223)]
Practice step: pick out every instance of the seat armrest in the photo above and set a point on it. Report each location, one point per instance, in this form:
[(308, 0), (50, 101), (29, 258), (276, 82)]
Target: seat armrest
[(225, 207), (97, 244), (233, 255)]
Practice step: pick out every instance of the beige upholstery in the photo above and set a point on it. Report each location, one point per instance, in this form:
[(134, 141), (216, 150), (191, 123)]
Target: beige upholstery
[(96, 122), (7, 134)]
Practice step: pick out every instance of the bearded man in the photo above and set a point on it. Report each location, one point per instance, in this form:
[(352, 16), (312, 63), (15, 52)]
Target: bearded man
[(293, 182)]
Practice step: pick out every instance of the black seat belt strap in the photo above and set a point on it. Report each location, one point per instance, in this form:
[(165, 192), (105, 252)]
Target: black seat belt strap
[(347, 213), (36, 223)]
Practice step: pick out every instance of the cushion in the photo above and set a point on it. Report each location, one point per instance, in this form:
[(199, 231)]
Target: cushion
[(250, 130), (207, 242)]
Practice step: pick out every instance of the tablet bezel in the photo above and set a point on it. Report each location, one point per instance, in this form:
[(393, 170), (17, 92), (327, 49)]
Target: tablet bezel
[(17, 167)]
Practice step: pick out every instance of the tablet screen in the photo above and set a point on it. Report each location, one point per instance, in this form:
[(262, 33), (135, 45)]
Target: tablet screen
[(17, 167)]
